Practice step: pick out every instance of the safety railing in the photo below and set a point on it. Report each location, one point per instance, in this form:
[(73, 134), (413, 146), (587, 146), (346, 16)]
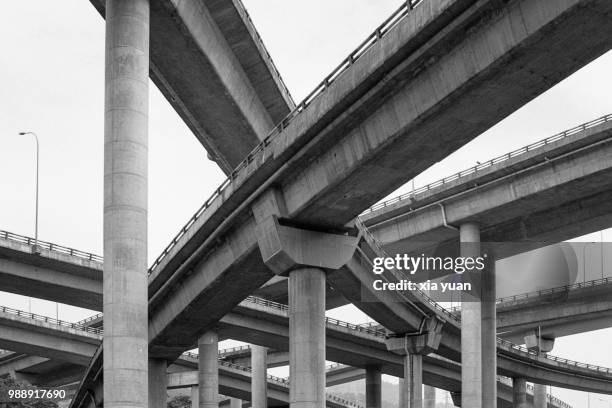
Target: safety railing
[(267, 55), (378, 249), (532, 353), (89, 319), (551, 291), (457, 317), (487, 164), (530, 389), (279, 380), (56, 322), (49, 246), (374, 38), (329, 320), (233, 350)]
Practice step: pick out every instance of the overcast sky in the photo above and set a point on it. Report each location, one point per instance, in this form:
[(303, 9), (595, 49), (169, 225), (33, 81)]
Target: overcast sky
[(52, 72)]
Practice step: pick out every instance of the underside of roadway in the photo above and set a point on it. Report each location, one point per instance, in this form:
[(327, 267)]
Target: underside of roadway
[(209, 62), (551, 194), (445, 73)]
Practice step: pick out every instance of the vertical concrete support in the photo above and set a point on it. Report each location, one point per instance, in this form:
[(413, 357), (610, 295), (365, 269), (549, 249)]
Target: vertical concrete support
[(489, 337), (235, 403), (307, 338), (125, 203), (373, 385), (471, 328), (158, 383), (429, 397), (208, 370), (519, 393), (539, 396), (413, 380), (259, 383), (195, 397), (402, 399)]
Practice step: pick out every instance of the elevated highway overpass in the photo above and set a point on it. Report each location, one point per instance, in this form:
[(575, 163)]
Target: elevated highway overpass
[(59, 368), (210, 63), (397, 105), (550, 191), (347, 147)]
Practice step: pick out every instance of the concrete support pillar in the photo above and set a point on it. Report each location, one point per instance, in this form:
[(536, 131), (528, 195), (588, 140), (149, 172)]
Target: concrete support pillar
[(307, 338), (489, 336), (542, 344), (195, 397), (539, 396), (208, 370), (125, 203), (373, 387), (519, 393), (259, 380), (471, 328), (413, 380), (402, 400), (429, 397), (158, 383), (235, 403)]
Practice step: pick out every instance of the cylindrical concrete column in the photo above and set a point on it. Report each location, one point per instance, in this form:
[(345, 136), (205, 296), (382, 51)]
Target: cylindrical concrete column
[(125, 203), (413, 380), (539, 396), (158, 383), (235, 403), (489, 336), (402, 394), (259, 377), (429, 397), (195, 397), (471, 327), (208, 370), (307, 338), (519, 393), (373, 387)]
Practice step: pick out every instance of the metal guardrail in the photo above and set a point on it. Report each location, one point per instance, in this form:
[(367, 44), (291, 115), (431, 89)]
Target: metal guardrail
[(438, 308), (279, 380), (267, 55), (50, 320), (378, 34), (530, 389), (9, 236), (487, 164), (329, 320), (232, 350), (89, 319), (538, 293)]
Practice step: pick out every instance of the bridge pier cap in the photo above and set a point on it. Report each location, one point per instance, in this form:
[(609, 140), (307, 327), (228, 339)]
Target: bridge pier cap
[(424, 342), (285, 248)]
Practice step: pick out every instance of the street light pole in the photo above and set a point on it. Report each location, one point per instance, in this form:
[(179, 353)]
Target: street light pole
[(37, 174)]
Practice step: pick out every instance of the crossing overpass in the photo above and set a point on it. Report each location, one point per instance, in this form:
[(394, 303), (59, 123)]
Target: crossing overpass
[(395, 106), (234, 378), (210, 63), (550, 191)]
